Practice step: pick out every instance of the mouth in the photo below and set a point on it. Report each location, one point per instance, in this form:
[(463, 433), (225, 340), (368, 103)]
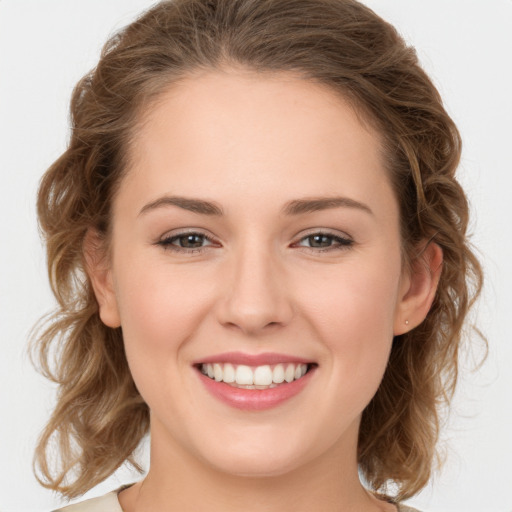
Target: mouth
[(255, 377), (254, 382)]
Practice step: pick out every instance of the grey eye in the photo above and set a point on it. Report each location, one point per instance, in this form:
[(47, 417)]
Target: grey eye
[(324, 241)]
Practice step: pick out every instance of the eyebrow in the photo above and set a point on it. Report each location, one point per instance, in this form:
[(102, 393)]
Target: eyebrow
[(193, 205), (294, 207), (301, 206)]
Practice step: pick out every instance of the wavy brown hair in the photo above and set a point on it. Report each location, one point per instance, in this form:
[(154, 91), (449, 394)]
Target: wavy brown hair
[(100, 417)]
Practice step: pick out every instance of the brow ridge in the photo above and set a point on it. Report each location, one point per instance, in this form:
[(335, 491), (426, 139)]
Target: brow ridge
[(294, 207), (187, 203), (310, 205)]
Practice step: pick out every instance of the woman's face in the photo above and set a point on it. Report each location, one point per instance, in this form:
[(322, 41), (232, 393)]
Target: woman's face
[(256, 231)]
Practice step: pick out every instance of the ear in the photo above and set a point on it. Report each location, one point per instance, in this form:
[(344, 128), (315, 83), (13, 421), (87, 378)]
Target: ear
[(98, 268), (418, 288)]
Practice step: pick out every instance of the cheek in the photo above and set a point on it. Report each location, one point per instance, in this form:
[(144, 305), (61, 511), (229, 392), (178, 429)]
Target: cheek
[(353, 314), (156, 302), (159, 312), (359, 297)]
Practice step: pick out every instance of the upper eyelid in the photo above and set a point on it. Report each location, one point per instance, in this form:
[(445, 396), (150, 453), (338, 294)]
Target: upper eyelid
[(324, 231), (186, 231)]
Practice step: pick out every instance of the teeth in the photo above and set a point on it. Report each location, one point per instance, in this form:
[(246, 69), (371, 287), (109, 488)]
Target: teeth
[(217, 372), (278, 374), (259, 377), (244, 375), (289, 373), (263, 376), (229, 373)]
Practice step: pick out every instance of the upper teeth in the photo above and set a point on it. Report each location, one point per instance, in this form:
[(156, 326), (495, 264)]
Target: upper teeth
[(259, 375)]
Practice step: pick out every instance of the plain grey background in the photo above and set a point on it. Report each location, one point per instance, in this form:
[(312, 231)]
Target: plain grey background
[(465, 45)]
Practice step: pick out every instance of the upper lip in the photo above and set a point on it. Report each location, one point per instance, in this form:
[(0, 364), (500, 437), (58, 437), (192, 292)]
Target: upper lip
[(252, 359)]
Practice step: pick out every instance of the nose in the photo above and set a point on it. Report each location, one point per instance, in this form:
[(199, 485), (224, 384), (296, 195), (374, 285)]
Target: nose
[(256, 298)]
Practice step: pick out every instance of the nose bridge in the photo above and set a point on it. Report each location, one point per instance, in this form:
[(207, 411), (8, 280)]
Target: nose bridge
[(256, 295)]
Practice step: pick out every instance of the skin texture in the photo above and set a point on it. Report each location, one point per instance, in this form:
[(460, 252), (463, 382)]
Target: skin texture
[(251, 144)]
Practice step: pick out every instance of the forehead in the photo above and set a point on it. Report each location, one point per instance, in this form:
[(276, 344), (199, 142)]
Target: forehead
[(250, 131), (227, 101)]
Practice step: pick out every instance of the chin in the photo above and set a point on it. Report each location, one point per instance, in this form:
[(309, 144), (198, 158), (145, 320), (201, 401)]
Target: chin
[(265, 458), (258, 466)]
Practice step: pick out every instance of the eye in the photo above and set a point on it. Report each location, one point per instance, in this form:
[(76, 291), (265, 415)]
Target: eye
[(321, 242), (186, 242)]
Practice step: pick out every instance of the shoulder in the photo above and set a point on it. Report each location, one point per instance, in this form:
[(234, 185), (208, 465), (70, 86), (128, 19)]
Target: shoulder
[(106, 503), (405, 508)]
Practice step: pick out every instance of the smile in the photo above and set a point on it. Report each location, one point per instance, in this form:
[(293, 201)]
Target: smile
[(259, 377), (254, 383)]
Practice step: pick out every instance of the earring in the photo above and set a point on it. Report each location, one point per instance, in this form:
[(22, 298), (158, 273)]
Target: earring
[(407, 322)]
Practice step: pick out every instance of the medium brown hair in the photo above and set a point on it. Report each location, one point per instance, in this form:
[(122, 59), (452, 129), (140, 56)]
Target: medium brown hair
[(100, 417)]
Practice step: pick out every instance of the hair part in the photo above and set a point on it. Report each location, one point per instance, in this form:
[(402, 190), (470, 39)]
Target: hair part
[(100, 417)]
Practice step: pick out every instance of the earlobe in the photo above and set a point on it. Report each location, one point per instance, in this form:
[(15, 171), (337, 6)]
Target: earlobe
[(98, 269), (419, 289)]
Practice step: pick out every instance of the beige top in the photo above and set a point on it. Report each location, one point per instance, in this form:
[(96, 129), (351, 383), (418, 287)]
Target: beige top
[(110, 503)]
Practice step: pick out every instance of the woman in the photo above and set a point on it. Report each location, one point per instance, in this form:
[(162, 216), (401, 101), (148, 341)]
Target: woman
[(259, 250)]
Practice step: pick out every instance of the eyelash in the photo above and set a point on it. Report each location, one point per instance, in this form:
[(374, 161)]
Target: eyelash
[(343, 243), (168, 242)]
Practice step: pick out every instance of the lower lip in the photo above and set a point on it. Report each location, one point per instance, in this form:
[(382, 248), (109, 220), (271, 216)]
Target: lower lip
[(255, 399)]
